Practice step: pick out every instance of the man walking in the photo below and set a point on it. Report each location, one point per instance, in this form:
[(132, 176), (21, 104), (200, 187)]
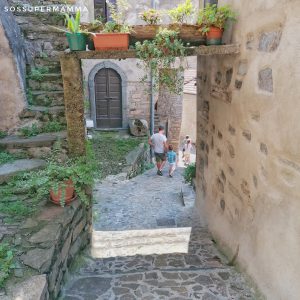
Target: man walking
[(158, 142)]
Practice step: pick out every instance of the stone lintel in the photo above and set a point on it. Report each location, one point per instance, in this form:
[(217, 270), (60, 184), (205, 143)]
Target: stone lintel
[(130, 53)]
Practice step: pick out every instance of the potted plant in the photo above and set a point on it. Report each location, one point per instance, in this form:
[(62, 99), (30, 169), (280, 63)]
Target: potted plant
[(96, 26), (212, 20), (115, 34), (65, 179), (76, 38), (159, 56), (181, 17)]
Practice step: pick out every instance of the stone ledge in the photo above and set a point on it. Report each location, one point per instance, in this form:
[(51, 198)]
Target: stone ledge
[(41, 140), (131, 53)]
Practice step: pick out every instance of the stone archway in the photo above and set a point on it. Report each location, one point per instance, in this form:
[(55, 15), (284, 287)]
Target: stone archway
[(92, 95)]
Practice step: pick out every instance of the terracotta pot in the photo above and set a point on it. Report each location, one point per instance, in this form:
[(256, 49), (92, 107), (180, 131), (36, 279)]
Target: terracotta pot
[(111, 41), (56, 196), (214, 36)]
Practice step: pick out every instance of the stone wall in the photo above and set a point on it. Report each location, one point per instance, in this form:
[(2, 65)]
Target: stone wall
[(137, 161), (248, 147), (169, 112), (46, 246), (189, 117)]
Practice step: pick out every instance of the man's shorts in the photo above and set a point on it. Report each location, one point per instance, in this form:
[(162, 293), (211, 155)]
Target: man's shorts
[(160, 157)]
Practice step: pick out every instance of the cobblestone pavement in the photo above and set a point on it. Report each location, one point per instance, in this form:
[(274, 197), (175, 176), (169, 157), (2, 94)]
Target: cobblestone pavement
[(146, 202), (202, 273)]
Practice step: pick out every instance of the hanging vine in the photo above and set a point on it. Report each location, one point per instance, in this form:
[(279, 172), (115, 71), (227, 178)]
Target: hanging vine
[(160, 57)]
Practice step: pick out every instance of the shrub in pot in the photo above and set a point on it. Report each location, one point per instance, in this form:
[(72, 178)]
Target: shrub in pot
[(115, 34), (76, 38), (212, 20), (65, 179), (152, 18), (182, 18)]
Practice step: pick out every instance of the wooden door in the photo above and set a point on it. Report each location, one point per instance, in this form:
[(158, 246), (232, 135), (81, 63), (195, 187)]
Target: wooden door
[(108, 96)]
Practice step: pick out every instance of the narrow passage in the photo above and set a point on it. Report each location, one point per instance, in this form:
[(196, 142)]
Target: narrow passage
[(151, 214)]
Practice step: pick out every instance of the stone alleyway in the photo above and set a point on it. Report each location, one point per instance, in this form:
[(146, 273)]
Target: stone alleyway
[(151, 213)]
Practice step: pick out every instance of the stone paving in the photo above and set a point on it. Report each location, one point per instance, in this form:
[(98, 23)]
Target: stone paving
[(121, 204), (202, 273)]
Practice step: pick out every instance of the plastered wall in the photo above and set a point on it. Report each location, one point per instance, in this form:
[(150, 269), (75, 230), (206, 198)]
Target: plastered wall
[(11, 95), (248, 143)]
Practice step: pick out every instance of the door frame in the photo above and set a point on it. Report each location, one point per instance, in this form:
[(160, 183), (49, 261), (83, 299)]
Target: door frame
[(92, 96)]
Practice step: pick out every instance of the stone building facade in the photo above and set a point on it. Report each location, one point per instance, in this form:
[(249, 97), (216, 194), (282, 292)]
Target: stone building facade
[(248, 145)]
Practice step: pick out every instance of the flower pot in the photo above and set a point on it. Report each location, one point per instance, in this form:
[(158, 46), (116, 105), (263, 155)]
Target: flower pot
[(77, 41), (67, 190), (214, 36), (111, 41)]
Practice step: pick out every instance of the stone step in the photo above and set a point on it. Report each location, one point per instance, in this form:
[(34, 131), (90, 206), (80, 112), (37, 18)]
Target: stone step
[(11, 169), (39, 111), (50, 82), (46, 98), (41, 140), (140, 242)]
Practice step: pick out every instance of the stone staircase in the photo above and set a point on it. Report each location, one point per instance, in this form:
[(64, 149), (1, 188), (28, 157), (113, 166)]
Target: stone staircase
[(124, 229), (43, 46), (34, 147), (140, 242)]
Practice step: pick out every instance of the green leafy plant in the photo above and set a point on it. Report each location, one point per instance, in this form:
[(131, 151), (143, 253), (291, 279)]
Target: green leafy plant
[(73, 24), (212, 15), (182, 12), (81, 171), (151, 16), (159, 56), (53, 126), (6, 262), (34, 129), (30, 131), (3, 134), (6, 157), (118, 14), (190, 173), (36, 186), (38, 74), (113, 27)]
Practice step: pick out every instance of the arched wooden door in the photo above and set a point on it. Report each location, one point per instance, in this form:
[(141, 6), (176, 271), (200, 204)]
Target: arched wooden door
[(108, 98)]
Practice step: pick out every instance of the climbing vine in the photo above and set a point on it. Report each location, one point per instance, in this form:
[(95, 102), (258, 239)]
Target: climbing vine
[(160, 56)]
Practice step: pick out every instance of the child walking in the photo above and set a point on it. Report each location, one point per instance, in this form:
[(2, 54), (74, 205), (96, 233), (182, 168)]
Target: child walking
[(172, 160)]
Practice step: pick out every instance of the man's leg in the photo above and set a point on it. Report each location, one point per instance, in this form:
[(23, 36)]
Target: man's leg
[(158, 165), (162, 164)]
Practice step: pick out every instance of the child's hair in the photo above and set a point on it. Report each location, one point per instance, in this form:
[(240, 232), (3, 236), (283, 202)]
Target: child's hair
[(170, 147), (187, 137)]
